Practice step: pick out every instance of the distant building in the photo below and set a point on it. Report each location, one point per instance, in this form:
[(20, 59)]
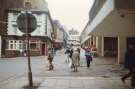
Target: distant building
[(74, 37), (73, 32), (60, 35)]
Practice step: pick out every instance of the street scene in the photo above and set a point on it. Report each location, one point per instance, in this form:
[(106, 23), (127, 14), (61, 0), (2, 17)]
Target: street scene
[(101, 72), (67, 44)]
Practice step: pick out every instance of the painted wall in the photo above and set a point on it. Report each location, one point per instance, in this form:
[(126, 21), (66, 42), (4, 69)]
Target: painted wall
[(39, 31)]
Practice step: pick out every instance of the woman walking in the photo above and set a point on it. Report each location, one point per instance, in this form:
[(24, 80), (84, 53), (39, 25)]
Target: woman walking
[(75, 60), (50, 58)]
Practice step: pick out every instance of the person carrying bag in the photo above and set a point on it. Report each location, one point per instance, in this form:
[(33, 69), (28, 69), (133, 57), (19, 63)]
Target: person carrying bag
[(88, 57)]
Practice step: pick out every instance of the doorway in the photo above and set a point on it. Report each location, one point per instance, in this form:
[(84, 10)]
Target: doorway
[(130, 41), (110, 46)]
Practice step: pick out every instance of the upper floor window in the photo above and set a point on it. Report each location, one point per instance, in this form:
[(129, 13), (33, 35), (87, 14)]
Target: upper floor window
[(15, 16), (28, 4), (15, 29), (46, 25)]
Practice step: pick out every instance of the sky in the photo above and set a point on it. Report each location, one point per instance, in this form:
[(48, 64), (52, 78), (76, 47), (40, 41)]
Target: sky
[(70, 13)]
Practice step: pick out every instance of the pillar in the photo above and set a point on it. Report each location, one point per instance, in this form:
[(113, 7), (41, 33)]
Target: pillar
[(121, 49), (89, 41), (46, 49), (94, 40), (99, 45), (102, 46), (0, 46)]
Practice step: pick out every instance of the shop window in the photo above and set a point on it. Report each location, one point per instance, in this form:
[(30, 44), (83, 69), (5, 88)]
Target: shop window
[(15, 45), (32, 46), (11, 46)]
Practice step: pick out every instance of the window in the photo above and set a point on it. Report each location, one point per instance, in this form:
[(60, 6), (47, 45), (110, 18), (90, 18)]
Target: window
[(33, 45), (46, 25), (20, 44), (28, 4), (15, 45), (11, 46), (15, 16), (38, 29), (15, 29)]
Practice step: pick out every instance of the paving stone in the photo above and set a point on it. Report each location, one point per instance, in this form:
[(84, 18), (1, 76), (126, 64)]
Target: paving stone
[(49, 83), (61, 87), (44, 88), (76, 88), (76, 83), (62, 82)]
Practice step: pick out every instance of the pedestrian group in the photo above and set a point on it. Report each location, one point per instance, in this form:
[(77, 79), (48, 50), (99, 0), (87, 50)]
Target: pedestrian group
[(73, 60), (73, 57)]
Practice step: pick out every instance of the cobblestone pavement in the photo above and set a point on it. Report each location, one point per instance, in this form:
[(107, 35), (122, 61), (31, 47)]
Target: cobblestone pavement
[(104, 73)]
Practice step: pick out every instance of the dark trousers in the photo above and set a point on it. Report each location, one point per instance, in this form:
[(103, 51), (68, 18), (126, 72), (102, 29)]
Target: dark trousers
[(50, 63), (133, 78), (88, 63), (129, 74)]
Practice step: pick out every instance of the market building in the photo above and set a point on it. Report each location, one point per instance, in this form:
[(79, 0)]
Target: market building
[(110, 27)]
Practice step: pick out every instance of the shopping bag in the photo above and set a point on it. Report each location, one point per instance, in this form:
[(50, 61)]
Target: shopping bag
[(70, 63)]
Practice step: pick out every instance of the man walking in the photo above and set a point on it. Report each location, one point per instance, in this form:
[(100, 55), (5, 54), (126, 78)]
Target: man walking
[(129, 62)]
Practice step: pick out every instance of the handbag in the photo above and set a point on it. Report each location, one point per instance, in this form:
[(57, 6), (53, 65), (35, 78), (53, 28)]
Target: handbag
[(70, 63)]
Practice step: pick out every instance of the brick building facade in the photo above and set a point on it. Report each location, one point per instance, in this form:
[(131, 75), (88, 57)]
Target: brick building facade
[(5, 7)]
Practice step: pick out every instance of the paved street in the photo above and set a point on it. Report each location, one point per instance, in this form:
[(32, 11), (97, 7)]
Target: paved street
[(83, 83), (16, 68), (104, 72)]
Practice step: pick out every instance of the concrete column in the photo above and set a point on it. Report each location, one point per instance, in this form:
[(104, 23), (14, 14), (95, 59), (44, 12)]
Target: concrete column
[(99, 45), (102, 46), (89, 41), (121, 48), (95, 40), (46, 49), (0, 46), (86, 43)]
